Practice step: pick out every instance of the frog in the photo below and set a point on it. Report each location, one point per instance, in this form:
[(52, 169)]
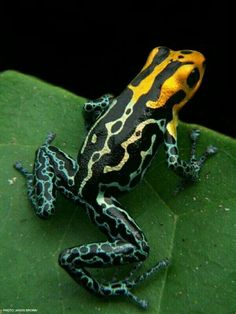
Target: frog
[(124, 134)]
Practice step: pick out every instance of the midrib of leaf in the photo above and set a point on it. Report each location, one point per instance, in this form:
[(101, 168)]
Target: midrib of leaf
[(229, 155), (171, 247), (66, 229), (172, 241)]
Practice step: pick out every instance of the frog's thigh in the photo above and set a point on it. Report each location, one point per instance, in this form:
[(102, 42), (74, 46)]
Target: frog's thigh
[(126, 244), (111, 218), (115, 221)]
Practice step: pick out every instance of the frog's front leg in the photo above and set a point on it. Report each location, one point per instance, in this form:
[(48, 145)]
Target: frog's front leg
[(93, 109), (53, 170), (189, 170), (126, 244)]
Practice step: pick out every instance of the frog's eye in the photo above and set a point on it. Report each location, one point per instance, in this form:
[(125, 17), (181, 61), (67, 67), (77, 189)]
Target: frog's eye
[(193, 77)]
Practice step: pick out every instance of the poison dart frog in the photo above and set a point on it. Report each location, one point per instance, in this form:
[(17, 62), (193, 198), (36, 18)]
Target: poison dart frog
[(124, 134)]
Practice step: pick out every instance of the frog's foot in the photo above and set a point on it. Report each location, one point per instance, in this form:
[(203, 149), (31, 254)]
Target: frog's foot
[(192, 168), (50, 137), (25, 172), (195, 164), (210, 150), (140, 302), (122, 288), (19, 167), (155, 269), (133, 283), (117, 288), (133, 271), (29, 180)]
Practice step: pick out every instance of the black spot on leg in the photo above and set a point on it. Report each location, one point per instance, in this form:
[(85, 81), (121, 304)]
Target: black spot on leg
[(172, 150), (88, 107), (106, 247), (93, 248), (172, 159)]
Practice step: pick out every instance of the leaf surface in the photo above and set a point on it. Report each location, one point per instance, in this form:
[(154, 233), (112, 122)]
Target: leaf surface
[(196, 228)]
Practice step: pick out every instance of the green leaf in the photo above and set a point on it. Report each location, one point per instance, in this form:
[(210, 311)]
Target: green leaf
[(196, 228)]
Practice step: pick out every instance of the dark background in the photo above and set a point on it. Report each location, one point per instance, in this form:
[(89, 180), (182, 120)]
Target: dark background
[(91, 50)]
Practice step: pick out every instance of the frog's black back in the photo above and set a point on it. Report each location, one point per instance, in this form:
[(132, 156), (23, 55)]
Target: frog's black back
[(120, 145)]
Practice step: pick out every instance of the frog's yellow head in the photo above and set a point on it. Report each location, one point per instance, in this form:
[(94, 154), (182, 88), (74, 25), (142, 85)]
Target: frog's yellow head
[(169, 78)]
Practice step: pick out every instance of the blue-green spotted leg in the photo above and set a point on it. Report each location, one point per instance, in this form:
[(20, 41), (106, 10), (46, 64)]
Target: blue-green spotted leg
[(93, 109), (189, 170), (53, 170), (126, 244), (43, 205), (29, 180), (100, 254), (210, 150)]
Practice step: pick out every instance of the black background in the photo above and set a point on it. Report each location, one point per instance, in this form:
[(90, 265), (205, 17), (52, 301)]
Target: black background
[(94, 49)]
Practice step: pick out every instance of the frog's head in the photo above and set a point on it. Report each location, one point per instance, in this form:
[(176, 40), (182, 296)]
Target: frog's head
[(187, 78), (169, 78)]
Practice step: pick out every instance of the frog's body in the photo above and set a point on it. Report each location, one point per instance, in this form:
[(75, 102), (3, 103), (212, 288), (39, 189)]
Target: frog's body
[(124, 134)]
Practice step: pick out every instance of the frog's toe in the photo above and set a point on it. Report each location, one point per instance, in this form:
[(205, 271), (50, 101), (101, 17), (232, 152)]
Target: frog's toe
[(50, 137), (144, 304), (211, 150), (194, 135), (140, 302), (19, 167)]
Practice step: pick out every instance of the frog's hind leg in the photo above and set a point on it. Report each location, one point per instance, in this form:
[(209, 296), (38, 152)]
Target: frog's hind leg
[(48, 176), (126, 244)]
